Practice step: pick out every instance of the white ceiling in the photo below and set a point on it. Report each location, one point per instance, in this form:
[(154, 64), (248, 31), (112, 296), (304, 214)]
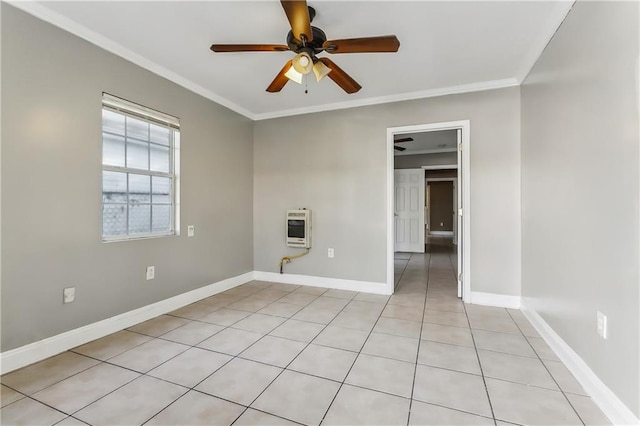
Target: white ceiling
[(445, 47), (428, 142)]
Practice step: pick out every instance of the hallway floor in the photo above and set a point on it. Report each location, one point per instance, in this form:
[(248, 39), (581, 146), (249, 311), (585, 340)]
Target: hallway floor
[(276, 354)]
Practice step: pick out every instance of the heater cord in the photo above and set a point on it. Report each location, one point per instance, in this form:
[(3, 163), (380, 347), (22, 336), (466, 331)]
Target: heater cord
[(288, 259)]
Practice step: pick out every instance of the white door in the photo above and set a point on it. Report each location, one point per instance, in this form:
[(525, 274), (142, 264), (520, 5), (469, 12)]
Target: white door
[(409, 210), (460, 207)]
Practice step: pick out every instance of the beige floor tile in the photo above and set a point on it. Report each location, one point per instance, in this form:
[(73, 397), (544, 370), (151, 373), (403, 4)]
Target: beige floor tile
[(240, 381), (491, 323), (403, 312), (274, 351), (588, 411), (253, 417), (220, 300), (306, 289), (190, 367), (564, 378), (298, 298), (35, 377), (382, 374), (225, 316), (70, 421), (7, 396), (80, 390), (398, 327), (242, 291), (250, 304), (194, 311), (503, 342), (341, 294), (342, 338), (357, 406), (522, 404), (192, 333), (356, 321), (324, 361), (298, 397), (448, 305), (148, 355), (158, 326), (452, 389), (270, 294), (373, 298), (112, 345), (423, 414), (515, 368), (317, 315), (284, 287), (301, 331), (28, 412), (360, 307), (542, 349), (230, 341), (196, 408), (281, 309), (447, 334), (408, 300), (330, 303), (390, 346), (455, 319), (133, 403), (447, 356), (259, 323)]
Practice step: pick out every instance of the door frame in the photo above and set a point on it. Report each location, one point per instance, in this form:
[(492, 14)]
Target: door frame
[(465, 128), (454, 181)]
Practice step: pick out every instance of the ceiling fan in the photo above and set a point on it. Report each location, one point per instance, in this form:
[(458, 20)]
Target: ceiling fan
[(307, 42), (400, 140)]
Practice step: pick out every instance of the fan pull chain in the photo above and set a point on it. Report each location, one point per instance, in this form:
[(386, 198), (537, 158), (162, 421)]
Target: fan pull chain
[(306, 85)]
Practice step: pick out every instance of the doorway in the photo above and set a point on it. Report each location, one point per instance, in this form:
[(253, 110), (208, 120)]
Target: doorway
[(462, 198)]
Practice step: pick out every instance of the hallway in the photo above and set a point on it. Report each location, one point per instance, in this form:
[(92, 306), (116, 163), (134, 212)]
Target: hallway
[(265, 353)]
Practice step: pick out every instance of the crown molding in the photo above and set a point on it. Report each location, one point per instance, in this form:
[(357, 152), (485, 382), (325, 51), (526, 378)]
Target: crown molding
[(452, 90), (69, 25)]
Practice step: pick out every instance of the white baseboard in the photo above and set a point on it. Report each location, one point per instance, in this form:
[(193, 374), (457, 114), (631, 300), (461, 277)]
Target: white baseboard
[(337, 283), (617, 412), (37, 351), (441, 233), (498, 300)]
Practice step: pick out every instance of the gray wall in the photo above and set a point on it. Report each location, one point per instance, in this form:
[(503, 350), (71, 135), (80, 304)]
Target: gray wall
[(335, 164), (579, 169), (419, 160), (52, 83)]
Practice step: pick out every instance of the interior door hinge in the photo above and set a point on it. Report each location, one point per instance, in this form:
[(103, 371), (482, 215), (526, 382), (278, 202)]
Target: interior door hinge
[(460, 276), (460, 147), (459, 212)]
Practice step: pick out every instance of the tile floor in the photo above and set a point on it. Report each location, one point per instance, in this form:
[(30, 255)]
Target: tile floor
[(276, 354)]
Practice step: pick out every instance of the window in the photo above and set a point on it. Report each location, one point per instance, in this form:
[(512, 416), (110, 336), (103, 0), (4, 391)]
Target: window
[(139, 171)]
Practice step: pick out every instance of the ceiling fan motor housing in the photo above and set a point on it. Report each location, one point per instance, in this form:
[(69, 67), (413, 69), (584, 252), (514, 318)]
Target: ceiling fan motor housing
[(314, 46)]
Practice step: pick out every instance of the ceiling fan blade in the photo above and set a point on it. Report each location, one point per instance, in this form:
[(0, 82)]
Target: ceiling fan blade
[(388, 43), (340, 77), (399, 148), (221, 48), (298, 16), (278, 83), (403, 140)]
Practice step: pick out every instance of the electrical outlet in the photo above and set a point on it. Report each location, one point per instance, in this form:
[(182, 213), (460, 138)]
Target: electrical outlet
[(68, 294), (151, 272), (330, 253), (191, 231), (602, 325)]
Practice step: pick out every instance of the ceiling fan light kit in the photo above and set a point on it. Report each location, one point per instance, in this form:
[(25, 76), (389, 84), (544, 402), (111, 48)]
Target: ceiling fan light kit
[(307, 42)]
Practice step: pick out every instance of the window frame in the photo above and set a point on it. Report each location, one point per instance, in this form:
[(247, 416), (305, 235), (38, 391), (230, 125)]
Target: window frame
[(130, 109)]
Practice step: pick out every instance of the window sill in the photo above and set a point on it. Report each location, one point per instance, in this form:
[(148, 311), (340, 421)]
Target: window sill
[(138, 237)]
